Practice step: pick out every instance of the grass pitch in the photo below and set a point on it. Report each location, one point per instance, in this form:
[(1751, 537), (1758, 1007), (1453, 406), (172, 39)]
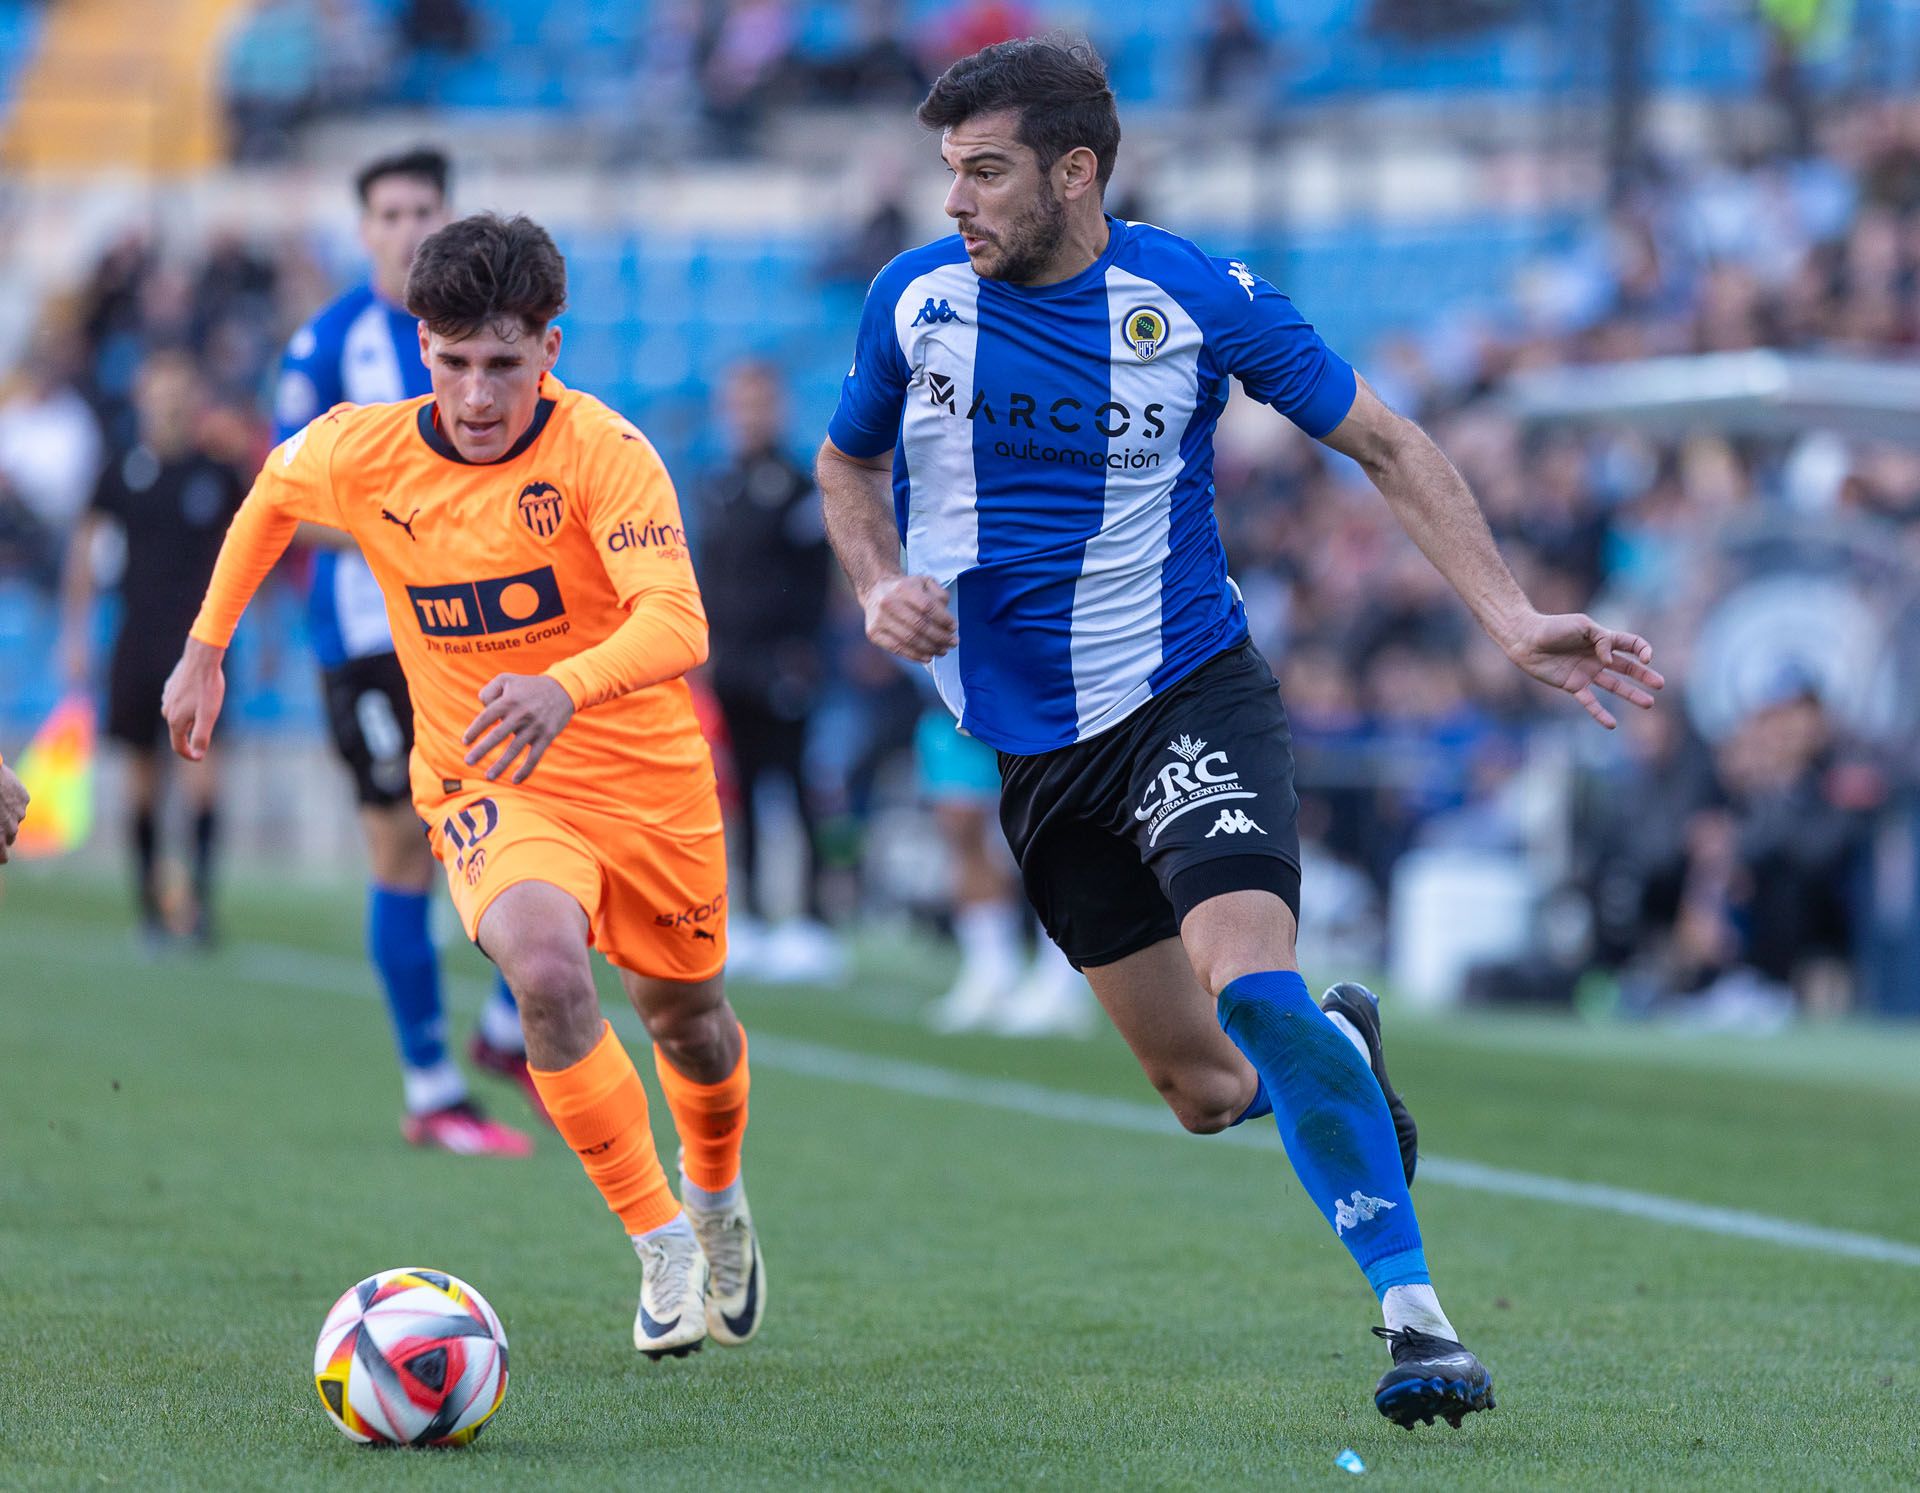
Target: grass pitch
[(197, 1156)]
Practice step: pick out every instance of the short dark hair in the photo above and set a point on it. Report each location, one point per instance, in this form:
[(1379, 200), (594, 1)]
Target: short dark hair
[(424, 162), (1057, 83), (487, 271)]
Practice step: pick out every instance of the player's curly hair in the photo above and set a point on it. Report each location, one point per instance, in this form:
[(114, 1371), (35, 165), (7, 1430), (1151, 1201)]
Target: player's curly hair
[(1058, 84), (488, 271)]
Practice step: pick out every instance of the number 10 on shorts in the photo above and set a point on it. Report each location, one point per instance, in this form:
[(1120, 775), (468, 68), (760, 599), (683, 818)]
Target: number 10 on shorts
[(464, 832)]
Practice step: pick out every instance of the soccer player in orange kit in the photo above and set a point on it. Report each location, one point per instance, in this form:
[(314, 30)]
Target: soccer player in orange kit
[(529, 545)]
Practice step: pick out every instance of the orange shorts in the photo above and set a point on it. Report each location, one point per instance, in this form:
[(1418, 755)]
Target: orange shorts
[(655, 894)]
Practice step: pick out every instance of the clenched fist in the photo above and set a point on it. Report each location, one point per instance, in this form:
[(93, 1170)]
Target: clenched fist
[(909, 615)]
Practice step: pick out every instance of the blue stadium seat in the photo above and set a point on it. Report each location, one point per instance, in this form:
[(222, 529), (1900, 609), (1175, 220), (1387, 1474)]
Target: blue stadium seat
[(533, 54)]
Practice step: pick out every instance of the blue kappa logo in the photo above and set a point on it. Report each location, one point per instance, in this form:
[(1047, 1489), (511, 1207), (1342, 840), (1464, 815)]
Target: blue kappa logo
[(932, 313)]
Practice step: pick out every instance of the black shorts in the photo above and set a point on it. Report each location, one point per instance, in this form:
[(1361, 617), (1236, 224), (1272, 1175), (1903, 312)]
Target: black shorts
[(1120, 836), (371, 717), (136, 679)]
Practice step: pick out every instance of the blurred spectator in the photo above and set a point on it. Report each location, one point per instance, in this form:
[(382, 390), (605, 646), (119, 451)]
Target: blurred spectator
[(1436, 20), (881, 237), (879, 64), (1734, 877), (974, 24), (234, 318), (444, 26), (747, 68), (171, 502), (765, 570), (273, 77), (1233, 56), (49, 454)]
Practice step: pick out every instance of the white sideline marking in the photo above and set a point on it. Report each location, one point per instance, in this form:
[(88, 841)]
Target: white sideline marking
[(924, 1081), (290, 967)]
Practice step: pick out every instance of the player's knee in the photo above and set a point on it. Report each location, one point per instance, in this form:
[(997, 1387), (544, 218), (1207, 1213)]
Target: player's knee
[(548, 979), (1217, 969), (1203, 1103), (692, 1032)]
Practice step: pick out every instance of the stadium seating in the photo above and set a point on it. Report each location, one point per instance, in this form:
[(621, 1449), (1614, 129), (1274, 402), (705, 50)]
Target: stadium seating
[(527, 58), (19, 30)]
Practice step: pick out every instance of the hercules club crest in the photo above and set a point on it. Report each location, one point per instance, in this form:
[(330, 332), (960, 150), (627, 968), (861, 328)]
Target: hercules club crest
[(542, 509), (1145, 328)]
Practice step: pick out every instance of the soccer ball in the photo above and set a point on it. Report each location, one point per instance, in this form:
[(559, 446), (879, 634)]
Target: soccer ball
[(411, 1358)]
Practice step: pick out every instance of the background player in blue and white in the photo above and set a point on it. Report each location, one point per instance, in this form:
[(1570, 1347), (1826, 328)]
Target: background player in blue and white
[(1030, 412), (365, 349)]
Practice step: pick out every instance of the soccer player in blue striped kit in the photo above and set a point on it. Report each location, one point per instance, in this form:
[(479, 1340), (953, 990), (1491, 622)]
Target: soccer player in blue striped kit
[(1030, 413)]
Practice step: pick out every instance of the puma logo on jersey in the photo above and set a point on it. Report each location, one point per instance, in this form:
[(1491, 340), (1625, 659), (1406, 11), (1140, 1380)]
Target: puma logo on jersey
[(405, 523), (1347, 1215), (1233, 822)]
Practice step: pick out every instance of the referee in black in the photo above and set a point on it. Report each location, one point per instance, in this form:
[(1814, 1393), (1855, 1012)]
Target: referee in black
[(765, 570), (171, 502)]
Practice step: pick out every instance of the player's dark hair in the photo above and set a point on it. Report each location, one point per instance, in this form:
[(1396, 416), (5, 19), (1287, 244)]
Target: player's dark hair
[(487, 271), (423, 162), (1057, 83)]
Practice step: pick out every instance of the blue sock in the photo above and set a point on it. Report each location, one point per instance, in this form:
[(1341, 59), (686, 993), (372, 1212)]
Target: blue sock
[(402, 951), (1333, 1120), (1260, 1104)]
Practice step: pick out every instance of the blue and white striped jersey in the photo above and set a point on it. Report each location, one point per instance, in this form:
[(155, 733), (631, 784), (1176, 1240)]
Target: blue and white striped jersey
[(1053, 465), (362, 351)]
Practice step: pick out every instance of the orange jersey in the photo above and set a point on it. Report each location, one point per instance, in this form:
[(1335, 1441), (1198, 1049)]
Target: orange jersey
[(566, 557)]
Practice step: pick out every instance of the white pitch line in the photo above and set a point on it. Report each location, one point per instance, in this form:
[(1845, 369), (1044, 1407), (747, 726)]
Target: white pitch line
[(287, 966), (924, 1081)]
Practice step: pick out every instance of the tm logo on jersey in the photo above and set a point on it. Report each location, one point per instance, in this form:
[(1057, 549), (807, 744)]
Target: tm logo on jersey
[(473, 609), (1197, 778), (935, 315), (1347, 1215)]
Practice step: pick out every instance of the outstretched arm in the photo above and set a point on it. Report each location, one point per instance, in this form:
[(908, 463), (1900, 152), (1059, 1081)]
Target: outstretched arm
[(1431, 500), (908, 615), (296, 483), (197, 687)]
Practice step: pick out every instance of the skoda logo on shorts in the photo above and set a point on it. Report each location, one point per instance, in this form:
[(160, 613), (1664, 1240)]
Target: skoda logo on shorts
[(542, 509)]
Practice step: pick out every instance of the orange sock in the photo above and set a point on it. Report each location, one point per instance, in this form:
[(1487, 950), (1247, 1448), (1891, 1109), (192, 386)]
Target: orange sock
[(599, 1106), (711, 1119)]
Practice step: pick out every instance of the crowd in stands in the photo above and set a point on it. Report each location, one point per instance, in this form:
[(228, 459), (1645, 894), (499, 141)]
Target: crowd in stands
[(700, 73), (1708, 862), (67, 411)]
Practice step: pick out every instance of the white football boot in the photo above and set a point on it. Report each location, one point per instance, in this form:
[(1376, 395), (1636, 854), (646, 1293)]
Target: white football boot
[(1053, 1000), (672, 1319), (737, 1285)]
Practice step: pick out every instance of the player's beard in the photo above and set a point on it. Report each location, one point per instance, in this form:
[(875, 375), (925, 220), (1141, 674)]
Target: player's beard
[(1031, 241)]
